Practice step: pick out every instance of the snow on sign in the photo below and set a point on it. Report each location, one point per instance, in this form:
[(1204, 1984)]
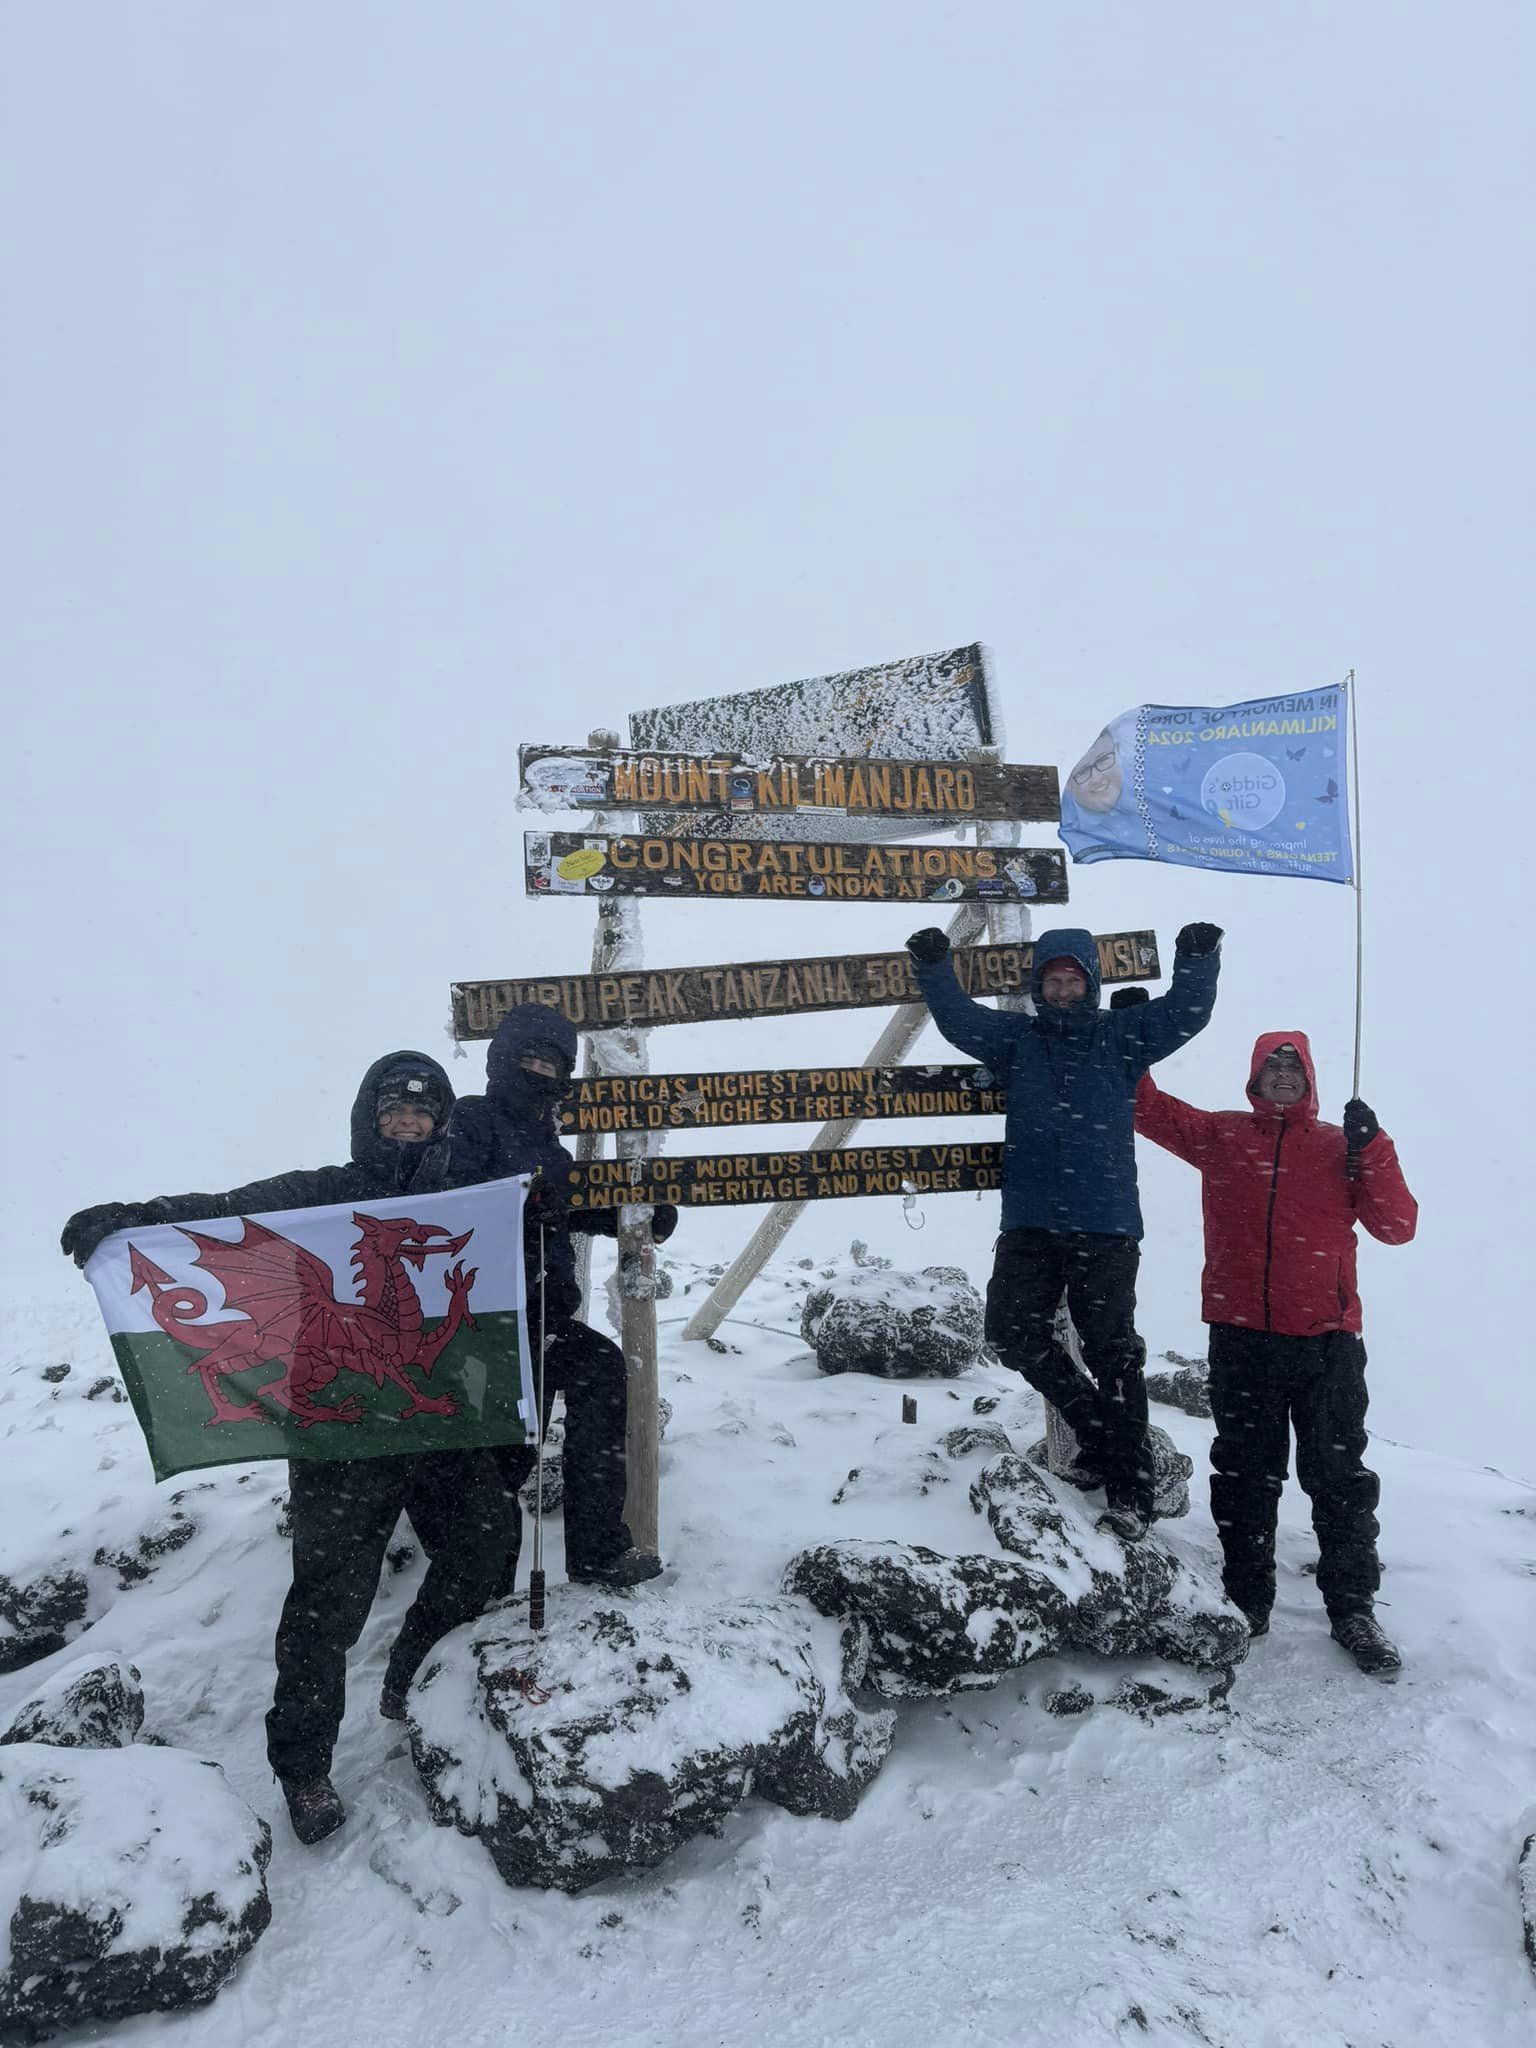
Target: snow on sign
[(956, 792), (926, 708), (745, 1177), (570, 863), (771, 988), (324, 1333), (804, 1095)]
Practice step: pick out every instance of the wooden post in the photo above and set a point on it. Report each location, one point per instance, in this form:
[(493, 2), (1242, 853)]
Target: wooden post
[(897, 1039), (618, 945)]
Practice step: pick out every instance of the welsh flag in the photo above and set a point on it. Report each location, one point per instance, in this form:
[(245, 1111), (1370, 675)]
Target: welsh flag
[(325, 1333)]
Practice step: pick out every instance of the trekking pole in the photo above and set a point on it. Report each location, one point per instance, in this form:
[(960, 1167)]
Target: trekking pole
[(536, 1571)]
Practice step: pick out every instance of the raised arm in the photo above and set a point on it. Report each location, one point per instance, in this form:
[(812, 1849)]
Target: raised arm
[(1177, 1126), (301, 1189), (1154, 1030), (1382, 1200), (987, 1035)]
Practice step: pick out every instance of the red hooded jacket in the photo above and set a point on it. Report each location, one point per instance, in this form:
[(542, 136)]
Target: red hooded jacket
[(1280, 1208)]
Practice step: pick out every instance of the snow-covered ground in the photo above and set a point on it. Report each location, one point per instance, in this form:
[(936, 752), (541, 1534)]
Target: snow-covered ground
[(1326, 1861)]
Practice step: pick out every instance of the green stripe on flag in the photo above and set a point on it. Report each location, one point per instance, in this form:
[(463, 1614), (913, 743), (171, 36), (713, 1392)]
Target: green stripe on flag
[(480, 1372)]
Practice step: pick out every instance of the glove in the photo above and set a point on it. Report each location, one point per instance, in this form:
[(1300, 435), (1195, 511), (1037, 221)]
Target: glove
[(1198, 941), (1128, 998), (1360, 1124), (88, 1228), (663, 1221), (928, 946)]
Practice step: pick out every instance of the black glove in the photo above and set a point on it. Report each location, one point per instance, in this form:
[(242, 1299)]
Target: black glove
[(1360, 1124), (88, 1228), (1128, 998), (1198, 941), (663, 1221), (927, 946)]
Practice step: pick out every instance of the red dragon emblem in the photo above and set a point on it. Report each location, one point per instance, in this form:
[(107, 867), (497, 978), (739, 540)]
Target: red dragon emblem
[(288, 1310)]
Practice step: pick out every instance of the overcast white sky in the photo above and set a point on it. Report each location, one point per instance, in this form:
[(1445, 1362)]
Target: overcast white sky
[(387, 385)]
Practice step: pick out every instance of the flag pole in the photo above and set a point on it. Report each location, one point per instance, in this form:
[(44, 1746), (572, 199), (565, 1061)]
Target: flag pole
[(1354, 772)]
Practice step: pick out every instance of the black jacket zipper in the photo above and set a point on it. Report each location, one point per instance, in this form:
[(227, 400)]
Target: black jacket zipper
[(1269, 1220)]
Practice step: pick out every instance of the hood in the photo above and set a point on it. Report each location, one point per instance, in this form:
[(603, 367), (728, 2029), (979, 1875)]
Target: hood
[(368, 1148), (1303, 1112), (1067, 944), (519, 1029)]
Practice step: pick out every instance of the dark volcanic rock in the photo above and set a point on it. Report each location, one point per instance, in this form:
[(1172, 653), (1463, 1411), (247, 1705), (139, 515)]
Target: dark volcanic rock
[(131, 1881), (662, 1719), (896, 1325), (40, 1615), (927, 1624), (92, 1703), (1188, 1386), (1172, 1470)]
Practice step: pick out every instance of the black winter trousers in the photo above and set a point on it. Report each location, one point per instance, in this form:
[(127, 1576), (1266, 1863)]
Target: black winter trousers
[(1262, 1387), (1107, 1414), (589, 1370), (343, 1517)]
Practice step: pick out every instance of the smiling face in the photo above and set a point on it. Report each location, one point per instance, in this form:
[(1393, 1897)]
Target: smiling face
[(1282, 1078), (1063, 984), (1095, 783), (407, 1123)]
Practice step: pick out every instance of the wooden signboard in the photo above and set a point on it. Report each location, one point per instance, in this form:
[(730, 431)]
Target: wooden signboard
[(787, 870), (806, 1095), (786, 1176), (643, 996), (945, 792)]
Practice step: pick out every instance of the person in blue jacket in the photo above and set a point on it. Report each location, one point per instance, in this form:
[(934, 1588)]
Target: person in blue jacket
[(1071, 1218)]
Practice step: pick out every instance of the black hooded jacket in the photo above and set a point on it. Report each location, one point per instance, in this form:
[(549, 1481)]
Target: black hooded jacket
[(511, 1129), (378, 1166)]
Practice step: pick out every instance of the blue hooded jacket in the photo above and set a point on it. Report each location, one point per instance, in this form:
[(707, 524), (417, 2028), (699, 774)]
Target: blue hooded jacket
[(1069, 1162)]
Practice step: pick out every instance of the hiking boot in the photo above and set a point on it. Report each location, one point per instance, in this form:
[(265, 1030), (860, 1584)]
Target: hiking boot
[(1258, 1624), (629, 1568), (1129, 1524), (1361, 1634), (1084, 1476), (315, 1810), (392, 1701)]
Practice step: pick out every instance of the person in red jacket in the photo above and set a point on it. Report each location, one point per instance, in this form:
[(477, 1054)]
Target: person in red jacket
[(1282, 1192)]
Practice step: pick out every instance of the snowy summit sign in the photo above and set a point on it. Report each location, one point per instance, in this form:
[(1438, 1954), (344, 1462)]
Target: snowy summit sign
[(791, 1095), (746, 1177), (954, 792), (786, 870)]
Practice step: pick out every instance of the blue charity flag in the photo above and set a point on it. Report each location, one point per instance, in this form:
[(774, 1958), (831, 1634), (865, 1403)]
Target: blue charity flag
[(1258, 789)]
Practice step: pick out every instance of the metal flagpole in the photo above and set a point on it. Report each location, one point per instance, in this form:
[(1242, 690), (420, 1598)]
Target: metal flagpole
[(1354, 833), (536, 1571)]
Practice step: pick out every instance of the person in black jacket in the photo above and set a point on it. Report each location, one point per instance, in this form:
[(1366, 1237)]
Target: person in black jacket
[(511, 1129), (344, 1511)]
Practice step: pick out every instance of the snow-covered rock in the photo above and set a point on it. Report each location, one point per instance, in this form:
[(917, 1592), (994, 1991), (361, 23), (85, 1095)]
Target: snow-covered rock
[(131, 1881), (93, 1702), (661, 1718), (1188, 1386), (896, 1325), (1172, 1470), (39, 1614), (1528, 1896), (925, 1624)]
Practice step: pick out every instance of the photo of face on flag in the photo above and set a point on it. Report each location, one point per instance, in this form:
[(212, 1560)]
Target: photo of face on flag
[(328, 1333), (1257, 788)]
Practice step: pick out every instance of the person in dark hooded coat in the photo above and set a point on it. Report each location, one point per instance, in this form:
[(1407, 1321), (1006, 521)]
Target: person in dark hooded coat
[(1282, 1193), (530, 1066), (1071, 1218), (344, 1511)]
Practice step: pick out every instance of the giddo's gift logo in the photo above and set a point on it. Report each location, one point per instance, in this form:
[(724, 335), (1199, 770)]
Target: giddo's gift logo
[(1243, 790)]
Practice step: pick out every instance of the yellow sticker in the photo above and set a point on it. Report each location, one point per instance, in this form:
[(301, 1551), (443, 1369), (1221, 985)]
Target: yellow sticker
[(584, 862)]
